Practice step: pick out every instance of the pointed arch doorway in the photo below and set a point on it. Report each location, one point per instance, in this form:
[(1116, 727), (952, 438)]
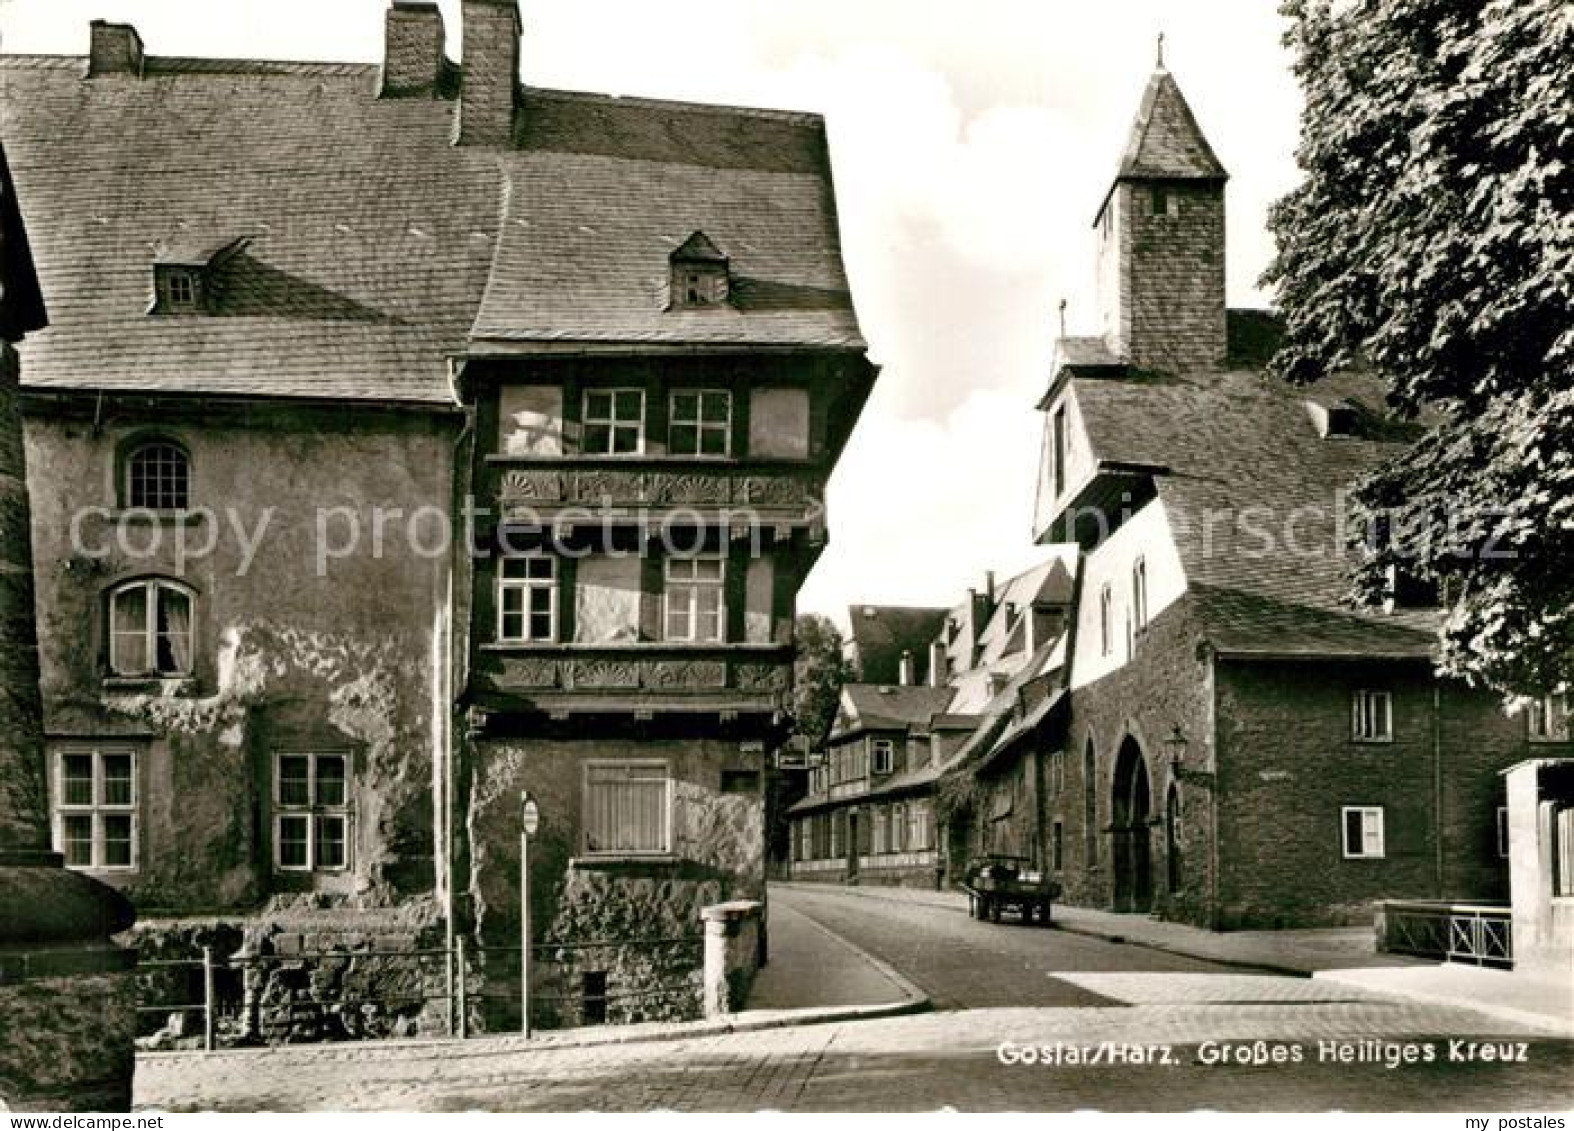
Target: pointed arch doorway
[(1131, 807)]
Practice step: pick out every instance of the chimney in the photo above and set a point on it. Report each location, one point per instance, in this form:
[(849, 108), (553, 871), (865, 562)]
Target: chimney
[(938, 663), (905, 671), (114, 49), (413, 48), (490, 73), (989, 587)]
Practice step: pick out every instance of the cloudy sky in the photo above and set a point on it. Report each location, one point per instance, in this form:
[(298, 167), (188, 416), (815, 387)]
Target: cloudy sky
[(972, 144)]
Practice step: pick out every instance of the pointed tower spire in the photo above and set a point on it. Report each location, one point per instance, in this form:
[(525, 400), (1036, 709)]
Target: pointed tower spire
[(1161, 238)]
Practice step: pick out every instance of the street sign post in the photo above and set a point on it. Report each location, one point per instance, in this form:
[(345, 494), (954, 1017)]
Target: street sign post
[(529, 822)]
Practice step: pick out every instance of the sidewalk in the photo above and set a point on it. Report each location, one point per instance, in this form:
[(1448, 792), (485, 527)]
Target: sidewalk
[(811, 967), (1299, 953), (1545, 1004)]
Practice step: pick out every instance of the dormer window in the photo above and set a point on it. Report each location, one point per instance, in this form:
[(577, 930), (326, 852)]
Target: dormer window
[(179, 289), (700, 275), (183, 275)]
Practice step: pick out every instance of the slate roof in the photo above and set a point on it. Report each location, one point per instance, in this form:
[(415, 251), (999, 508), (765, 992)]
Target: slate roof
[(881, 633), (376, 249), (1242, 456), (602, 190), (876, 707), (370, 234), (1165, 143)]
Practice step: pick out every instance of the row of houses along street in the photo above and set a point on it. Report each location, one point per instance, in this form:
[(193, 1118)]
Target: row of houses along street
[(404, 440)]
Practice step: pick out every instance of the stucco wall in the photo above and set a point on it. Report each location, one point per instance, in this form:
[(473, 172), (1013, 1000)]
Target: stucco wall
[(308, 644)]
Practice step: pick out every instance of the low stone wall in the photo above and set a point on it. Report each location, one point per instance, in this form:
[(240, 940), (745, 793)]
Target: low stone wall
[(334, 975), (732, 954)]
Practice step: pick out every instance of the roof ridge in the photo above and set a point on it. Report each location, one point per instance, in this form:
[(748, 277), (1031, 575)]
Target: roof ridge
[(798, 117), (198, 64)]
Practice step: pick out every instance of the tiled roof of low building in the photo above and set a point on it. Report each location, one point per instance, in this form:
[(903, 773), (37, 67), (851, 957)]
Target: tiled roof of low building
[(877, 707)]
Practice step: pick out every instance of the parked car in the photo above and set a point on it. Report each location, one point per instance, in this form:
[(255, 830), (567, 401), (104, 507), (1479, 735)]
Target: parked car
[(995, 884)]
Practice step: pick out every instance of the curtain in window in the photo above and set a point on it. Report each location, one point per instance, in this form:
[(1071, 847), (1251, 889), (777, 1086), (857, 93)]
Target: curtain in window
[(174, 632), (129, 631)]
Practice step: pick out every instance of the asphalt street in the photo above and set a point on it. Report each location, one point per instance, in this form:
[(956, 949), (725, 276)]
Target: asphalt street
[(964, 963)]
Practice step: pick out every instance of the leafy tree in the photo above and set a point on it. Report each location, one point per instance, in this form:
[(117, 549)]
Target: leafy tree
[(819, 673), (1433, 239)]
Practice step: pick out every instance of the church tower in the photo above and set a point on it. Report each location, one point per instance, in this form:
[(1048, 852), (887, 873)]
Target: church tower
[(1161, 240)]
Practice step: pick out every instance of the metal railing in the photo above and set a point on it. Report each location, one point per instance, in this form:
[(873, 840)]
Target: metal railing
[(1476, 933), (306, 996)]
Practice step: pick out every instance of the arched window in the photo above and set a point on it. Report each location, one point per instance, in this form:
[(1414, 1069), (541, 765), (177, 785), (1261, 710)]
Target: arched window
[(1139, 593), (1090, 803), (150, 628), (1172, 837), (157, 477)]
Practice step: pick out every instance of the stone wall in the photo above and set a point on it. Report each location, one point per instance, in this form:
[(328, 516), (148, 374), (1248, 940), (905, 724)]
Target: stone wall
[(1167, 683), (293, 977), (1288, 766), (718, 855)]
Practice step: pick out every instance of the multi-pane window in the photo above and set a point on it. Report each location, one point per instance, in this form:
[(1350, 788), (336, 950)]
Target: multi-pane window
[(918, 826), (614, 422), (701, 423), (158, 477), (1549, 719), (311, 812), (628, 808), (883, 751), (1106, 611), (696, 600), (150, 629), (527, 599), (1372, 716), (1363, 832), (95, 807), (899, 828)]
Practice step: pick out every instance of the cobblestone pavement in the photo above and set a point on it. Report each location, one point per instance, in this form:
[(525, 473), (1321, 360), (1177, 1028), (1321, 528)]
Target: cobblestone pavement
[(912, 1064)]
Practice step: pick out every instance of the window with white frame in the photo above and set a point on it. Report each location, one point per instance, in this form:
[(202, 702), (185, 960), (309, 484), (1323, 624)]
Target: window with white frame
[(1372, 716), (1548, 718), (834, 837), (899, 828), (150, 631), (628, 808), (614, 422), (918, 826), (879, 836), (1139, 594), (883, 755), (1106, 624), (696, 600), (95, 806), (157, 477), (527, 599), (1362, 831), (311, 812), (1502, 832), (700, 423)]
